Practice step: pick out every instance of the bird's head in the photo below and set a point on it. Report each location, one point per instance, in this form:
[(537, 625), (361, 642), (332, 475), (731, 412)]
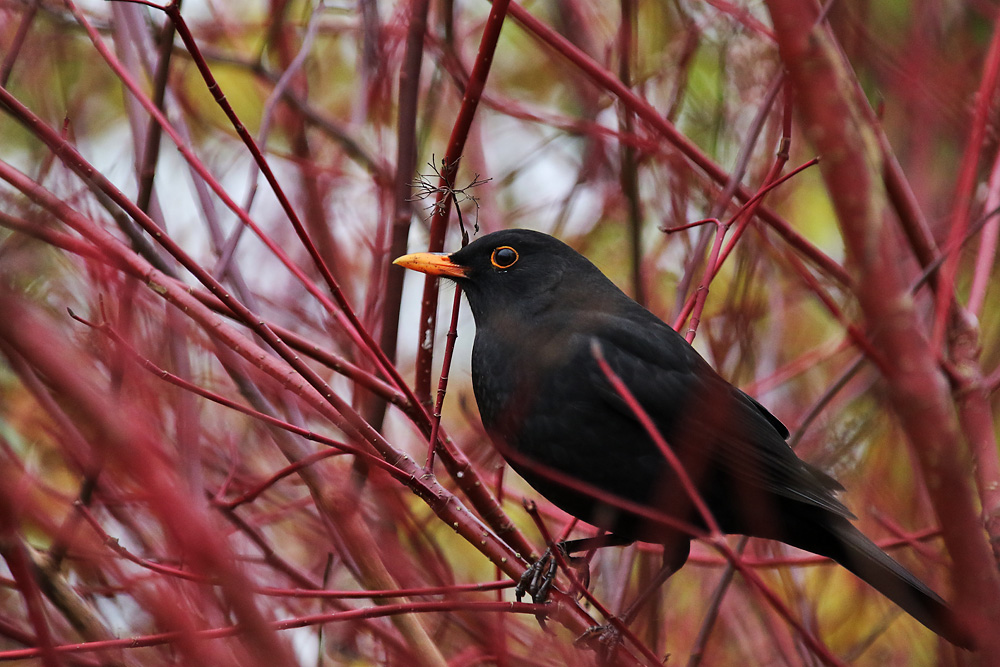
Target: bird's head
[(514, 270)]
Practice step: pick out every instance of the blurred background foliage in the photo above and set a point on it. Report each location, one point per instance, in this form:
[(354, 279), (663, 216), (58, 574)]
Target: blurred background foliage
[(319, 86)]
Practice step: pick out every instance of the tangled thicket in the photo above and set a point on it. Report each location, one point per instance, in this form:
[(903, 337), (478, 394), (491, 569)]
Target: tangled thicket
[(217, 398)]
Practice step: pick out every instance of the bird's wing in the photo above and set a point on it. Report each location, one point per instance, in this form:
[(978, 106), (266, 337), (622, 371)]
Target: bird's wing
[(684, 395), (774, 421), (823, 478)]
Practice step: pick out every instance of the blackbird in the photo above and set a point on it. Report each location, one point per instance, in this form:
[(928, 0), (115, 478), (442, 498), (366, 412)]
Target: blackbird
[(545, 318)]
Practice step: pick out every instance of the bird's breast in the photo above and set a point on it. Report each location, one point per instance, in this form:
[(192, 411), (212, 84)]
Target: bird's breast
[(509, 368)]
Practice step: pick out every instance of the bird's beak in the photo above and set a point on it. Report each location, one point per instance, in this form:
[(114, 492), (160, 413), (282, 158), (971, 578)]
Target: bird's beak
[(433, 263)]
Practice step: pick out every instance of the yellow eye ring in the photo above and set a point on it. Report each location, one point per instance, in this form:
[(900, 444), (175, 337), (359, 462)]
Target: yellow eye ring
[(504, 257)]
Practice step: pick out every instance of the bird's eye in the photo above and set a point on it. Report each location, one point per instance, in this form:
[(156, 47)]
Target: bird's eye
[(504, 257)]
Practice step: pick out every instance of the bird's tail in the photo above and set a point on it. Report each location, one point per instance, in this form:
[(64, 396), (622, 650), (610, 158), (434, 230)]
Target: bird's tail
[(862, 557)]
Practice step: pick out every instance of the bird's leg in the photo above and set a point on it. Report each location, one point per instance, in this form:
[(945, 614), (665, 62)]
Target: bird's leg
[(606, 638), (666, 570), (538, 578)]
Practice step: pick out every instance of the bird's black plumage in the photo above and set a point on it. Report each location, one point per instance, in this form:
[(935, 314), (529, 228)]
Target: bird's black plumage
[(540, 309)]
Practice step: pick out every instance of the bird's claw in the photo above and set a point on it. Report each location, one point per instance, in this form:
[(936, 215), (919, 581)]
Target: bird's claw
[(605, 639), (537, 579)]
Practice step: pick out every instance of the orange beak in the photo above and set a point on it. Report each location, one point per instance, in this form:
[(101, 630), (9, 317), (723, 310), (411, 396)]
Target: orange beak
[(432, 263)]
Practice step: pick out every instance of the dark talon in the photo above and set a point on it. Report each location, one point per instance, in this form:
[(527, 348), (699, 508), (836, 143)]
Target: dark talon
[(537, 579), (545, 585), (604, 639)]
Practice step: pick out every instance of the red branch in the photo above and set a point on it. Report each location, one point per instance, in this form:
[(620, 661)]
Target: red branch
[(919, 393), (449, 169)]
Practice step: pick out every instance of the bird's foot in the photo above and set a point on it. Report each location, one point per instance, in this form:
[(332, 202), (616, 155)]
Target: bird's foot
[(604, 639), (537, 580)]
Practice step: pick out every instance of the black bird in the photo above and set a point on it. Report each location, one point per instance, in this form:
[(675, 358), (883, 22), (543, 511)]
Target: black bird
[(544, 314)]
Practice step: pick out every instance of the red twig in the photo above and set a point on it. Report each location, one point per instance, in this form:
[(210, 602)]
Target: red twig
[(657, 122), (432, 441), (917, 388), (341, 311), (120, 430), (715, 538), (643, 511), (701, 292), (305, 382), (14, 48), (964, 186), (397, 593), (290, 624), (694, 305), (340, 447), (654, 433), (986, 257), (613, 621), (449, 169), (458, 466), (406, 163), (15, 553)]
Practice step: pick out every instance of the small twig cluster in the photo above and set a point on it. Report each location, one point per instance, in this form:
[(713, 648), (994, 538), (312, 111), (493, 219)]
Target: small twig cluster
[(425, 188)]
